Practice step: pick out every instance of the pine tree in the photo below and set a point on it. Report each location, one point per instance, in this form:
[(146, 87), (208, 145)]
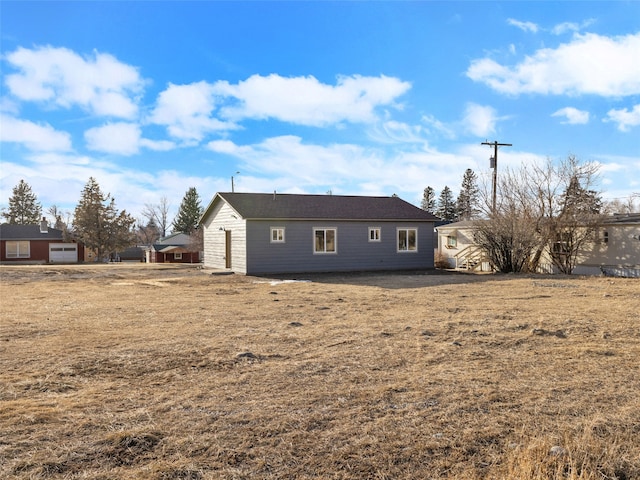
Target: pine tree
[(99, 225), (446, 206), (469, 197), (428, 200), (24, 208), (189, 214)]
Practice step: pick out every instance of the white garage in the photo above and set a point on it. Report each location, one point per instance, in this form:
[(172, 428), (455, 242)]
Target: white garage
[(63, 253)]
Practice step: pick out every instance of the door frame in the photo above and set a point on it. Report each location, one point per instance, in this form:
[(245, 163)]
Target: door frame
[(227, 249)]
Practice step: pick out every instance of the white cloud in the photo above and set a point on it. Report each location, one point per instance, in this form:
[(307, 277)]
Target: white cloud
[(186, 111), (306, 101), (193, 111), (99, 83), (524, 26), (436, 125), (626, 119), (392, 131), (122, 139), (33, 136), (565, 27), (118, 138), (589, 64), (289, 164), (157, 145), (479, 120), (572, 115)]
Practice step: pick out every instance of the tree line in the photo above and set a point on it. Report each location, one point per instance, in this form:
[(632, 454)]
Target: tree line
[(465, 207), (550, 208), (100, 226)]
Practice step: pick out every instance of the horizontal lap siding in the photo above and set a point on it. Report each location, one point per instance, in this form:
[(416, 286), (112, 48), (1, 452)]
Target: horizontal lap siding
[(354, 251)]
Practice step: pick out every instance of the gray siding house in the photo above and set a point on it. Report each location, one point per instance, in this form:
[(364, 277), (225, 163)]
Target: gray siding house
[(255, 233)]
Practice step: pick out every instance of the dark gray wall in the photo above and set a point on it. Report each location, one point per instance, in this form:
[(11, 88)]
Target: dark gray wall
[(354, 251)]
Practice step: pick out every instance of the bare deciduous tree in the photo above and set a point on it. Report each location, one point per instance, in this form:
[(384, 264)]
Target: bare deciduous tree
[(549, 208), (159, 214)]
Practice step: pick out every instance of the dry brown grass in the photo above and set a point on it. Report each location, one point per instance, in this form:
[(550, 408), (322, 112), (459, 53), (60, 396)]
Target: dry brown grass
[(122, 372)]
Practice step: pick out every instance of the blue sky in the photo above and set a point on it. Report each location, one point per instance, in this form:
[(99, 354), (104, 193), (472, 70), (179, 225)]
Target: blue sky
[(356, 98)]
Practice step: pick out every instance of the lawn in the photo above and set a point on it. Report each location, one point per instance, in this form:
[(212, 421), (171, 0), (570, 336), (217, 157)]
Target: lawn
[(169, 372)]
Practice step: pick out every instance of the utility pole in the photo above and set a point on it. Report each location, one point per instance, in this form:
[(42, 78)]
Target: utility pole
[(493, 163), (232, 185)]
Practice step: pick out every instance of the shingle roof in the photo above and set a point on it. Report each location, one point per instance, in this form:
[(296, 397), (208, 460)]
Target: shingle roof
[(11, 231), (322, 207), (175, 239), (624, 218)]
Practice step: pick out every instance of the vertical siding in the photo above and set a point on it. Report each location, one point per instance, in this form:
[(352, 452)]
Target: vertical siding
[(354, 251), (223, 218)]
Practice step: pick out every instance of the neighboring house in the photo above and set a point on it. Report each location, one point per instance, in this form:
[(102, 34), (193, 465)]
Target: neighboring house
[(175, 248), (616, 250), (456, 247), (131, 254), (254, 233), (37, 244)]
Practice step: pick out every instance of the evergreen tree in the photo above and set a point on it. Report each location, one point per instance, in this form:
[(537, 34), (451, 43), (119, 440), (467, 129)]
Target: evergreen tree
[(24, 208), (469, 197), (428, 200), (579, 201), (99, 225), (446, 209), (189, 214)]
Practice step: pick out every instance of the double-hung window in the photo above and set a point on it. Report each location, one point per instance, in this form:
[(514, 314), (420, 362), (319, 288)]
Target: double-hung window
[(324, 240), (407, 240), (18, 249), (277, 234)]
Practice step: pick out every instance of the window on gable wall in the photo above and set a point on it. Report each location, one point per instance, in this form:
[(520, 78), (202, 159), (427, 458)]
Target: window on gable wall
[(324, 240), (277, 235), (407, 240)]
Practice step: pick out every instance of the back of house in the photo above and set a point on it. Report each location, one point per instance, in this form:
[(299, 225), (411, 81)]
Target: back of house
[(257, 233)]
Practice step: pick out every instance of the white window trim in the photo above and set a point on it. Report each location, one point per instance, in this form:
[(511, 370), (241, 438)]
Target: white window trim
[(379, 234), (276, 229), (406, 229), (453, 243), (19, 253), (335, 240), (177, 256)]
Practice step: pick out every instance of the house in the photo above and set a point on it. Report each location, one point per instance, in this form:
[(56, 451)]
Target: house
[(257, 233), (615, 251), (456, 248), (131, 254), (37, 244), (175, 248)]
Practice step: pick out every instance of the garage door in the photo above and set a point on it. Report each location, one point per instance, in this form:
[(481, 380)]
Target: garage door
[(63, 252)]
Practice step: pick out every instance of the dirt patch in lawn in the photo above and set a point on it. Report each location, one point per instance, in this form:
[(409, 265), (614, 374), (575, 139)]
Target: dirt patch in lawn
[(170, 372)]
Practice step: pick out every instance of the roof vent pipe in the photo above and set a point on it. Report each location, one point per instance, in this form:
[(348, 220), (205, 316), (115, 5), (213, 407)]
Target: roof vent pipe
[(44, 226), (274, 194)]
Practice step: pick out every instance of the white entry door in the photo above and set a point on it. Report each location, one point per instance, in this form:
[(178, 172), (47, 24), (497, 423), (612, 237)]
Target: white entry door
[(63, 253)]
